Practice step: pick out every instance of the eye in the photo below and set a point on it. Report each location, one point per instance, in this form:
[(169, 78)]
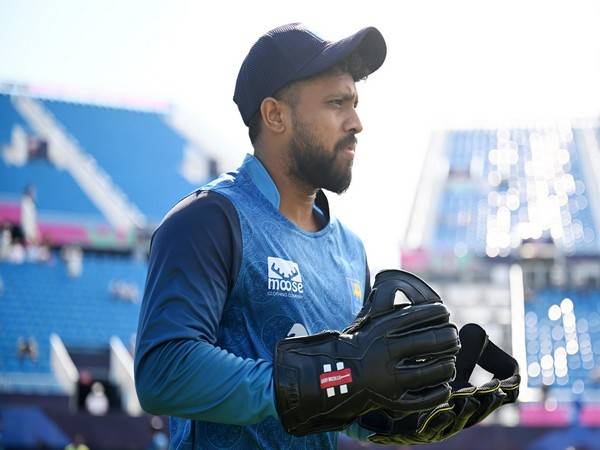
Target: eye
[(337, 102)]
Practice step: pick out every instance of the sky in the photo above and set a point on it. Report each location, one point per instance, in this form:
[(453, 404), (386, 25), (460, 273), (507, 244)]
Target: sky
[(458, 64)]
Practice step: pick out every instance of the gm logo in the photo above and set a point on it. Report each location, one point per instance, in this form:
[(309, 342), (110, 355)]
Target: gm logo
[(284, 277)]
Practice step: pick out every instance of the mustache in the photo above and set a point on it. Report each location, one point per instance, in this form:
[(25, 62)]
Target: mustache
[(345, 142)]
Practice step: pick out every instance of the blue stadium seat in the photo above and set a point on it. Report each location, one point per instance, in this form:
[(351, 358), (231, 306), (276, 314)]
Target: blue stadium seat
[(462, 216), (56, 189), (41, 299), (139, 151), (562, 333)]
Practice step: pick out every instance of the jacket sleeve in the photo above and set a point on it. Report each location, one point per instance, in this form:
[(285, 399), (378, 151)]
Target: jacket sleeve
[(179, 371)]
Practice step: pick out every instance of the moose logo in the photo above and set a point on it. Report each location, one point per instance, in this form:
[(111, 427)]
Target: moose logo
[(284, 277)]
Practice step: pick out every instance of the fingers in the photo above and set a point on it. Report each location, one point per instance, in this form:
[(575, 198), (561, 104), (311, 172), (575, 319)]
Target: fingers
[(432, 425), (489, 402), (464, 408), (423, 345), (377, 421), (415, 317), (510, 387), (431, 428), (402, 318), (424, 399), (426, 375)]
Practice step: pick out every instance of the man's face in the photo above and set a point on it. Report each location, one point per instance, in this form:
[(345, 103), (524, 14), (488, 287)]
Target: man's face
[(324, 124)]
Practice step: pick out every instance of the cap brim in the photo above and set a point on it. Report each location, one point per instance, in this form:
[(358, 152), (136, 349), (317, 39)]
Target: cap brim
[(368, 43)]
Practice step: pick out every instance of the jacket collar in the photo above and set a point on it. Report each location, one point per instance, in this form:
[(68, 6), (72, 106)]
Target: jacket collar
[(265, 184)]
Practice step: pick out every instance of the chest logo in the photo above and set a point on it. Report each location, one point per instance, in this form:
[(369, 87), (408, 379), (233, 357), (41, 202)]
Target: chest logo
[(284, 277)]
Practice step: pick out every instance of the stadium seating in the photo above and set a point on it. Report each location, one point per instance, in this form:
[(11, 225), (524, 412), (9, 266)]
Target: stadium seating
[(562, 332), (137, 149), (477, 192), (40, 299), (57, 191)]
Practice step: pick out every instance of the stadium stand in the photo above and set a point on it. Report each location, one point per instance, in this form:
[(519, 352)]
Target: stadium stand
[(40, 299), (93, 168), (505, 187), (138, 149), (562, 330), (56, 189)]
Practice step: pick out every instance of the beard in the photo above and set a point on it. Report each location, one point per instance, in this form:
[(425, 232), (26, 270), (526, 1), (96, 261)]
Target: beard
[(311, 163)]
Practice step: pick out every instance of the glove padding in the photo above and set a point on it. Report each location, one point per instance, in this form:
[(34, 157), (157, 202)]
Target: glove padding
[(398, 355), (467, 405)]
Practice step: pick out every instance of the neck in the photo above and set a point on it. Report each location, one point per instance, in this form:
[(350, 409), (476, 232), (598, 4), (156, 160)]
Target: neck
[(296, 199)]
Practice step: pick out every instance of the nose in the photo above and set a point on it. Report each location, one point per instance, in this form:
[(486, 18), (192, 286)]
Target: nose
[(353, 123)]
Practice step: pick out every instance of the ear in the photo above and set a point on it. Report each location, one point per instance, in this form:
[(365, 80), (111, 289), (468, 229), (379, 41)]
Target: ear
[(274, 115)]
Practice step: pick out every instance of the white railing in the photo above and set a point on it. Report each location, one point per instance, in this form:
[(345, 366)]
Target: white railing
[(15, 153), (517, 303), (62, 365), (94, 181), (121, 374)]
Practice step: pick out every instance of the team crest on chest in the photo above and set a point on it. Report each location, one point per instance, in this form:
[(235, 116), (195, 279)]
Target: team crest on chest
[(284, 278), (356, 294)]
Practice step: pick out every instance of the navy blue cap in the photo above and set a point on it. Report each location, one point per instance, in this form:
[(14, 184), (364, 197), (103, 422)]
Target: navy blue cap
[(291, 52)]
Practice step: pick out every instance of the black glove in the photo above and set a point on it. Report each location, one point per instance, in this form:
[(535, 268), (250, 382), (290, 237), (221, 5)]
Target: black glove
[(467, 405), (398, 355)]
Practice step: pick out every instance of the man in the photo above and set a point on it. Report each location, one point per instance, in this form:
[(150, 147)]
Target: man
[(29, 222), (255, 257)]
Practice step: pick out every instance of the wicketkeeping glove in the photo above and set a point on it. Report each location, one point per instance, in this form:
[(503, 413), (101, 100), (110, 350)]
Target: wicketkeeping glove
[(398, 355), (467, 405)]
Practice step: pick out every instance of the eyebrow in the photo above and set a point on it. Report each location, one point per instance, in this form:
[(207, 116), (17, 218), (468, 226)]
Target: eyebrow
[(346, 96)]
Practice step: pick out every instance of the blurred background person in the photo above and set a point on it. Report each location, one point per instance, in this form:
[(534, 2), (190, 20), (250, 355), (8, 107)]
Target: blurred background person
[(27, 348), (29, 222), (96, 402), (73, 258)]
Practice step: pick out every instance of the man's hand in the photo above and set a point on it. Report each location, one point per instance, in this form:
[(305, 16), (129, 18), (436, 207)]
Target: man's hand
[(397, 356), (467, 405)]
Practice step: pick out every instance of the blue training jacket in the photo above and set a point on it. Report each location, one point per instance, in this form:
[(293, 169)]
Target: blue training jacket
[(228, 277)]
